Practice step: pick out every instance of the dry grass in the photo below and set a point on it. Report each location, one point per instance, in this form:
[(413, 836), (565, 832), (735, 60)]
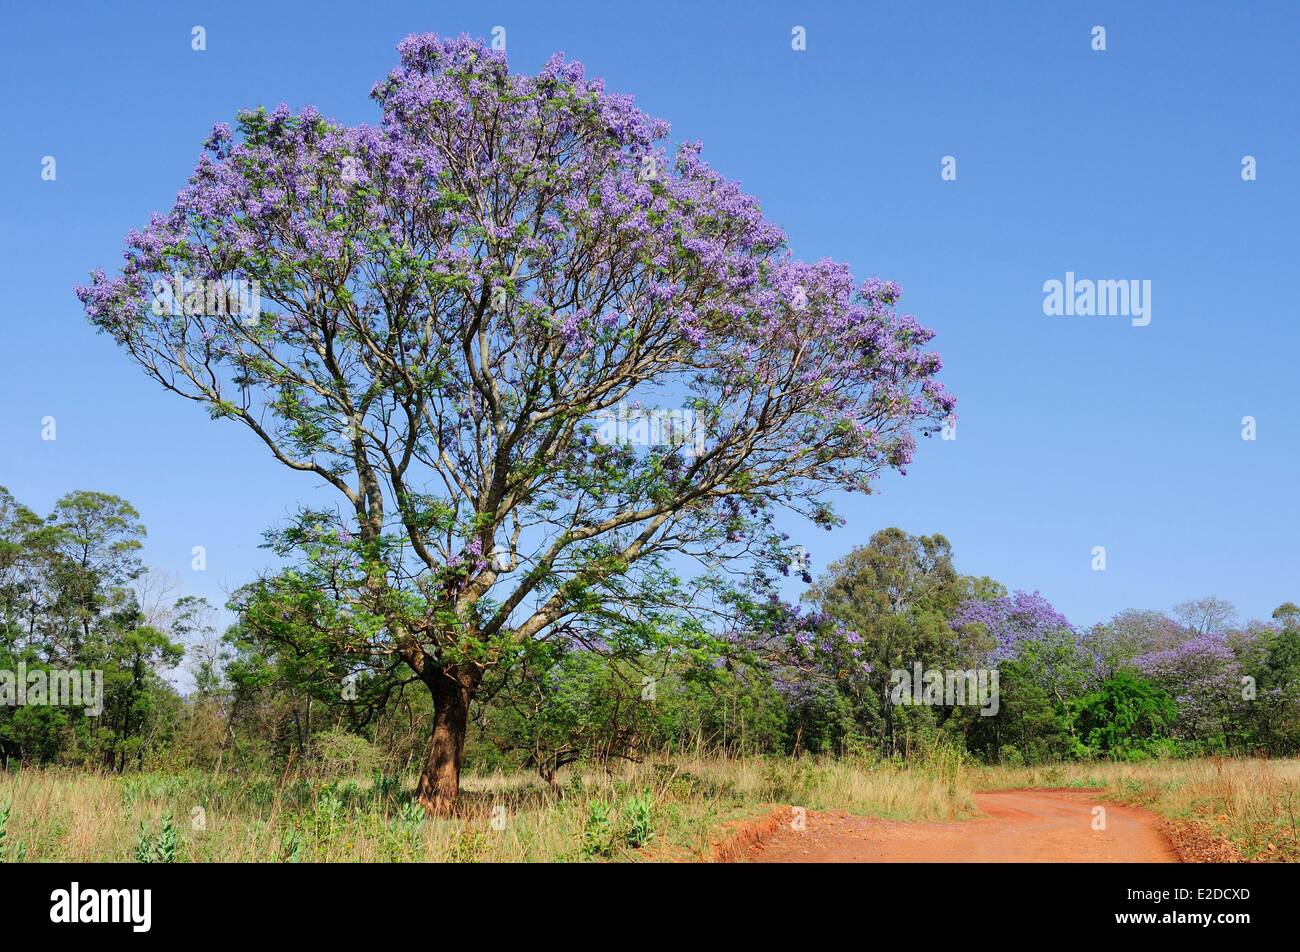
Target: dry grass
[(76, 816)]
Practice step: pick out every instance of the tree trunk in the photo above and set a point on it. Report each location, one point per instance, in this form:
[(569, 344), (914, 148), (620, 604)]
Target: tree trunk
[(440, 783)]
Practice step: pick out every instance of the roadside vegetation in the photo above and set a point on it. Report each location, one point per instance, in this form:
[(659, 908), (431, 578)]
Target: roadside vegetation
[(216, 744), (658, 811), (652, 811)]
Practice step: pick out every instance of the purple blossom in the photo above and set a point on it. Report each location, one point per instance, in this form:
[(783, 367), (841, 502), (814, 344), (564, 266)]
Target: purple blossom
[(1012, 620), (1202, 673)]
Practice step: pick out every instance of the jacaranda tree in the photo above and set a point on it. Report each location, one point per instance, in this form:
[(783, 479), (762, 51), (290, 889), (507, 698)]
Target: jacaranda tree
[(445, 307)]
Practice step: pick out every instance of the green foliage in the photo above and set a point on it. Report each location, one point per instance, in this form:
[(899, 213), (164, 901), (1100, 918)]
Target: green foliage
[(598, 833), (291, 845), (5, 810), (386, 787), (469, 846), (896, 594), (638, 820), (343, 754), (267, 696), (1030, 720), (1125, 717), (11, 850), (578, 707), (160, 848), (412, 814), (71, 600), (326, 816)]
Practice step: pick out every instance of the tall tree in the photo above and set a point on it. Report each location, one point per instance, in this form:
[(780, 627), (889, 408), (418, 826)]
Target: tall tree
[(447, 305), (18, 579), (884, 606), (94, 545), (1115, 644), (1206, 615)]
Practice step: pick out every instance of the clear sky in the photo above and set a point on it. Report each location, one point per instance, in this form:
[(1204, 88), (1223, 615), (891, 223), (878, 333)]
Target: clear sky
[(1075, 431)]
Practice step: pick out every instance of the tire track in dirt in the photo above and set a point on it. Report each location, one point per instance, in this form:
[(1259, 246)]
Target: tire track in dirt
[(1019, 826)]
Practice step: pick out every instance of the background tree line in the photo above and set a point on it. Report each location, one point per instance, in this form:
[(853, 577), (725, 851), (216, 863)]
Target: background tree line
[(809, 679)]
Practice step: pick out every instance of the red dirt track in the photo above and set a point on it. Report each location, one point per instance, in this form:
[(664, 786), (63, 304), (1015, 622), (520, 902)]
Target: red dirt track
[(1019, 826)]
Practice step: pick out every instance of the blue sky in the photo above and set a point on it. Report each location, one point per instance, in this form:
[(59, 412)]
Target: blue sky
[(1075, 431)]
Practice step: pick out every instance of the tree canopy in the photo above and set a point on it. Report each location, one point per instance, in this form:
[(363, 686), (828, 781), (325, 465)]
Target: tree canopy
[(431, 315)]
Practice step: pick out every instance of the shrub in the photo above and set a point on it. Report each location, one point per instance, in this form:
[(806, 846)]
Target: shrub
[(342, 754), (598, 831), (638, 820), (159, 849), (4, 827)]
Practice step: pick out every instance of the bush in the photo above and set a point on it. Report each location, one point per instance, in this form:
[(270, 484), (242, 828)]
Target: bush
[(342, 754), (638, 820), (598, 831), (159, 849)]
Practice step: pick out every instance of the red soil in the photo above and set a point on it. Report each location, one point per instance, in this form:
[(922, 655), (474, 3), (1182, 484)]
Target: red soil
[(1019, 826)]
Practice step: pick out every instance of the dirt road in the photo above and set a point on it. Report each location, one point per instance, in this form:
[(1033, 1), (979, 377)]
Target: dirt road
[(1019, 826)]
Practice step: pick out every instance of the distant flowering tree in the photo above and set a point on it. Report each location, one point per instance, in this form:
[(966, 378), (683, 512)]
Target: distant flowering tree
[(1133, 632), (1203, 675), (1206, 615), (1044, 664), (1012, 621), (445, 305)]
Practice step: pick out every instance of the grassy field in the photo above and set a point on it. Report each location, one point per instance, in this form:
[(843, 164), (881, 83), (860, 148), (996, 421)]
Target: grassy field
[(653, 811)]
